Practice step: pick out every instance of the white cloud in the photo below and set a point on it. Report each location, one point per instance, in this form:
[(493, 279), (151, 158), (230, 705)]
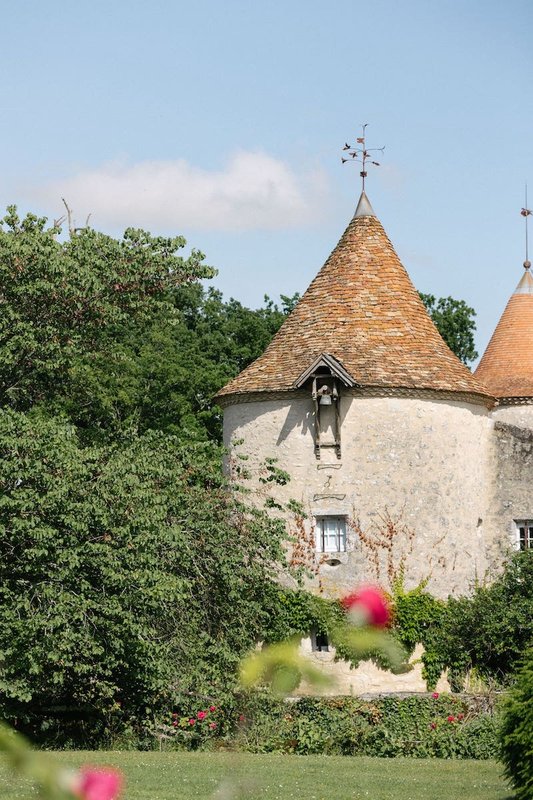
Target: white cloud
[(253, 191)]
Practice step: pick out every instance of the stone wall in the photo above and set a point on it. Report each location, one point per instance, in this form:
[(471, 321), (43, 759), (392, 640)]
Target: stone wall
[(520, 414), (511, 496), (413, 473), (366, 677)]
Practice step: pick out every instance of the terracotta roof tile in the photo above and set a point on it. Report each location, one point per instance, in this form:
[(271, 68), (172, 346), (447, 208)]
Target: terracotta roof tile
[(362, 309), (507, 364)]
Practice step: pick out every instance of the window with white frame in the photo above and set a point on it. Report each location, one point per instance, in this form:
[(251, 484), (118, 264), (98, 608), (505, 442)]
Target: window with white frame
[(330, 534), (524, 534)]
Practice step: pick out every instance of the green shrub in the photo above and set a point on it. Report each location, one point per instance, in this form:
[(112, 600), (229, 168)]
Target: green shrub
[(516, 732), (488, 631), (443, 726)]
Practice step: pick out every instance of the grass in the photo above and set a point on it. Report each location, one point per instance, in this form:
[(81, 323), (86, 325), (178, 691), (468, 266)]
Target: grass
[(228, 776)]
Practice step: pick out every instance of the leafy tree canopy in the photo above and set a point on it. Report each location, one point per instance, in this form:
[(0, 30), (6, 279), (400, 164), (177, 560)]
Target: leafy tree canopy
[(64, 302), (455, 322), (128, 574), (488, 631)]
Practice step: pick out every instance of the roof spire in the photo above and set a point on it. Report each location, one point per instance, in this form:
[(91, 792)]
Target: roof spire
[(361, 154), (526, 212)]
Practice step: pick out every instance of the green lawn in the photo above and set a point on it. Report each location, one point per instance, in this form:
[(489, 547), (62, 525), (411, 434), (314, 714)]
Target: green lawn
[(227, 776)]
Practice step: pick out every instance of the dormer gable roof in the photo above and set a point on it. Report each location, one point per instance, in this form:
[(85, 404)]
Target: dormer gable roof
[(328, 362)]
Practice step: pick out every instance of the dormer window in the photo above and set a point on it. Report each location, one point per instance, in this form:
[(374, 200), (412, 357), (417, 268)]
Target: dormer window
[(324, 378)]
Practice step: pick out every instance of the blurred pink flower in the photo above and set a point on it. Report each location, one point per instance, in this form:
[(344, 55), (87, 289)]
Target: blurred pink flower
[(212, 708), (435, 695), (212, 725), (201, 715), (242, 718), (192, 721), (451, 718), (372, 603), (92, 783)]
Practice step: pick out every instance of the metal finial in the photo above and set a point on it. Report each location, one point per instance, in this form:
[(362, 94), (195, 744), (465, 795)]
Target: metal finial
[(361, 154), (526, 212)]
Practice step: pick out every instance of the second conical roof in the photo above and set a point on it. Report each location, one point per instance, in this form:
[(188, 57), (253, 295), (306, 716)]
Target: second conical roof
[(364, 311), (506, 368)]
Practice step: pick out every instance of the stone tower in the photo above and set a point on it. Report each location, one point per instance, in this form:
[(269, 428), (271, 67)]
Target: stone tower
[(385, 433), (507, 370)]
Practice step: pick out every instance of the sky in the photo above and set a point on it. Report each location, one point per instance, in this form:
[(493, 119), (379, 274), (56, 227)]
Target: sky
[(224, 121)]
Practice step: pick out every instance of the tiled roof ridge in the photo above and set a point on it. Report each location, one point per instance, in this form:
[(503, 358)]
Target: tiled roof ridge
[(506, 367), (363, 310)]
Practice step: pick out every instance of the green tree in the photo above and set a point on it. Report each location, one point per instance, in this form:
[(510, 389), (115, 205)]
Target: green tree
[(163, 375), (127, 574), (488, 631), (516, 733), (455, 322), (66, 301)]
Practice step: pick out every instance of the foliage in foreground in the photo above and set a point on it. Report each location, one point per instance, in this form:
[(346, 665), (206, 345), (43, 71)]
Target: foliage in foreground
[(517, 732)]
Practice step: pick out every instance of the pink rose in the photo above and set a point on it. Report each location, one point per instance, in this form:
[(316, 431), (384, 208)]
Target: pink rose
[(370, 603), (435, 695), (451, 718), (92, 783), (212, 725), (242, 718), (212, 708), (192, 721), (201, 715), (433, 726)]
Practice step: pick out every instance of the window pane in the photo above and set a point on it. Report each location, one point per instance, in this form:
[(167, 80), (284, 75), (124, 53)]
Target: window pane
[(524, 534), (331, 534)]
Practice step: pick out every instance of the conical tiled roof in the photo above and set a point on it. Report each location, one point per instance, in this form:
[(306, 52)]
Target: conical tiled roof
[(363, 310), (506, 368)]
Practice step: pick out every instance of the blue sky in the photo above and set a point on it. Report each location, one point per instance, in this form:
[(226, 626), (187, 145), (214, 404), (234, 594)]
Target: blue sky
[(224, 122)]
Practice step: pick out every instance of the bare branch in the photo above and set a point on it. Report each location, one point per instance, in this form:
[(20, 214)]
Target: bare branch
[(71, 228)]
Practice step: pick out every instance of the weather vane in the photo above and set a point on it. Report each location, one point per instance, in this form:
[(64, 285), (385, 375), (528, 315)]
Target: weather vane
[(526, 212), (360, 154)]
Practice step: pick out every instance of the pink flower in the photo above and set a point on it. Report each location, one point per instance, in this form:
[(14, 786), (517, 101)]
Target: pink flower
[(433, 726), (192, 721), (451, 718), (435, 695), (97, 784), (212, 725), (460, 716), (212, 708), (371, 604), (175, 723), (242, 718), (201, 715)]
